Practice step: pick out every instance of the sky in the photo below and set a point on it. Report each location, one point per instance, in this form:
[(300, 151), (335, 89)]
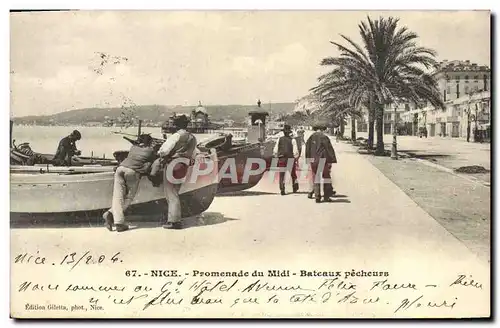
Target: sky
[(216, 57)]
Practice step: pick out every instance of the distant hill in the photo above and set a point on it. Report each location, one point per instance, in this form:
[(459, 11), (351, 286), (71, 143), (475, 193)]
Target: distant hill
[(149, 113)]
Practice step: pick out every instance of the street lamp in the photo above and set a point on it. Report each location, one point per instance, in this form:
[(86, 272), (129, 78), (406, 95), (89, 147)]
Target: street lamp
[(468, 116), (394, 149)]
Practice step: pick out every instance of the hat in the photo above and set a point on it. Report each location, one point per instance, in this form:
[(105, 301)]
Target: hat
[(319, 124), (145, 138), (76, 134)]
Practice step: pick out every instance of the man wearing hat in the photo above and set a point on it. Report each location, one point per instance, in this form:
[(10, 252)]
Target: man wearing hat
[(67, 149), (286, 150), (126, 181), (320, 155), (181, 144)]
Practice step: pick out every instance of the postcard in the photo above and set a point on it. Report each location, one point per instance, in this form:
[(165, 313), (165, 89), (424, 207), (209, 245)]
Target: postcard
[(250, 164)]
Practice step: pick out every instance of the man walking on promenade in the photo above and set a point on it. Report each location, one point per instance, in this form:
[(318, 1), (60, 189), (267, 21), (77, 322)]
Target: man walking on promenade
[(320, 155), (181, 144), (286, 150), (127, 179)]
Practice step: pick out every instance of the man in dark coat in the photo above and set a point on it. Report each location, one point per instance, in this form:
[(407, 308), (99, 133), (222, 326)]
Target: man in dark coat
[(286, 150), (320, 155), (67, 149)]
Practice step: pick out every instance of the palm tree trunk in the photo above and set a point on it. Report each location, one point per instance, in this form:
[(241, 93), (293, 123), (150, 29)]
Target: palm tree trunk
[(371, 127), (353, 129), (379, 117), (342, 127)]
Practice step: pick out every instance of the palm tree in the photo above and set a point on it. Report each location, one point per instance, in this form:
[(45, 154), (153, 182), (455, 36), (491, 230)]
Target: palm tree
[(342, 90), (389, 66), (341, 94)]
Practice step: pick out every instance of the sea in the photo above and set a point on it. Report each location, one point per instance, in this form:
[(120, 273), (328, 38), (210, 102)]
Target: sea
[(96, 141)]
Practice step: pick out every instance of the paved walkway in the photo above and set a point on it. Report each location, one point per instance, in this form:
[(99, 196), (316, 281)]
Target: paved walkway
[(450, 153), (372, 226)]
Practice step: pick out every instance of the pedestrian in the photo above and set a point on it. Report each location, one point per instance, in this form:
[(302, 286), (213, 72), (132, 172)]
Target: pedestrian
[(300, 144), (126, 181), (67, 149), (181, 144), (320, 155), (286, 150), (300, 140)]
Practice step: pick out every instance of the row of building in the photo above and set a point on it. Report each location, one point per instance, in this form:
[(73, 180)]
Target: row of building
[(465, 88)]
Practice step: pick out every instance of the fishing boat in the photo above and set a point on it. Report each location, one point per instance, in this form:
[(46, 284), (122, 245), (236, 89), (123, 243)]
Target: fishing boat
[(22, 154), (38, 191), (254, 146)]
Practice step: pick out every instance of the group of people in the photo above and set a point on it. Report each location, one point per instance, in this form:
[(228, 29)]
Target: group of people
[(146, 159), (143, 159), (319, 155)]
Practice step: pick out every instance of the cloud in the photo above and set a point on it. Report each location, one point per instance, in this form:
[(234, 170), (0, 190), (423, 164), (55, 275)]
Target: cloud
[(288, 60), (244, 66), (184, 56), (291, 57)]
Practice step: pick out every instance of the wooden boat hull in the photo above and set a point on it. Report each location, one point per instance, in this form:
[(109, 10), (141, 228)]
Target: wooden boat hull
[(85, 194), (263, 151), (18, 158), (240, 152)]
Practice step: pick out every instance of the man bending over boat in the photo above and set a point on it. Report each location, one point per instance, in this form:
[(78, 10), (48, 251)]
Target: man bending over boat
[(181, 144), (67, 149), (127, 178)]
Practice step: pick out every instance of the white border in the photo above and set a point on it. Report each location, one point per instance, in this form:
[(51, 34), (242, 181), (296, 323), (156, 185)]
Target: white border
[(193, 5)]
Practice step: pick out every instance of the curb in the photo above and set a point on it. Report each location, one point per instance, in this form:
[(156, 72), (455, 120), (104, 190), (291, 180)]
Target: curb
[(441, 168), (451, 171)]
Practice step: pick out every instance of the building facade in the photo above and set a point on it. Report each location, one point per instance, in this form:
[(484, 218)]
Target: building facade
[(465, 90)]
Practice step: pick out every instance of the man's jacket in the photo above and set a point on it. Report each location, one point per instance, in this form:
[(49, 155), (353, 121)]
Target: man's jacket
[(319, 146)]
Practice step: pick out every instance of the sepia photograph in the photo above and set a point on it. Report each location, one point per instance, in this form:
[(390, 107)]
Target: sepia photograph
[(313, 164)]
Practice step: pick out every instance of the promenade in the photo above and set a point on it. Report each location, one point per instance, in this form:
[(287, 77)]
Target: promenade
[(451, 153), (372, 225)]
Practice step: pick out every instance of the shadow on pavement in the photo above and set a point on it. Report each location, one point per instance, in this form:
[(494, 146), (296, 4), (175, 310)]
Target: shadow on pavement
[(135, 221), (340, 196), (204, 219), (338, 201), (245, 193)]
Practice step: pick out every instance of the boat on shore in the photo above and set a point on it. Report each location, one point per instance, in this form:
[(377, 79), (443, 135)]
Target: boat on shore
[(87, 191), (240, 152)]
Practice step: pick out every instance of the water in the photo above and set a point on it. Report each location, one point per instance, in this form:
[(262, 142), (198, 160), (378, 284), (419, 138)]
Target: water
[(99, 140)]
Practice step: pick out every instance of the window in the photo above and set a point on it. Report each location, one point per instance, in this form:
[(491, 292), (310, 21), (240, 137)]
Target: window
[(467, 79), (466, 89), (457, 78), (448, 90), (447, 77), (407, 106), (476, 77), (397, 116)]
